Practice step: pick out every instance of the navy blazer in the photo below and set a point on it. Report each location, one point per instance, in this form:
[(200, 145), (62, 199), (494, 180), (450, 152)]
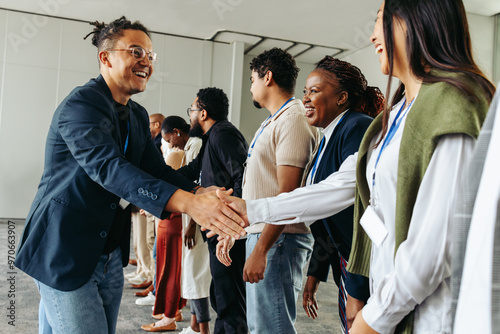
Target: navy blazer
[(85, 175), (345, 141)]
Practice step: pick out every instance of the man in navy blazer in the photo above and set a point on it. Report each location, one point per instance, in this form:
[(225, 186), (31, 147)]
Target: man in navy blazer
[(99, 157)]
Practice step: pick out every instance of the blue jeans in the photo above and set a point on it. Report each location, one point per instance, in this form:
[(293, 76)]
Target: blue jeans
[(271, 303), (92, 308)]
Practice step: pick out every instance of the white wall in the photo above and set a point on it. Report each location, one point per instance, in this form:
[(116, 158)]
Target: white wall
[(43, 59), (482, 31), (496, 51), (482, 35)]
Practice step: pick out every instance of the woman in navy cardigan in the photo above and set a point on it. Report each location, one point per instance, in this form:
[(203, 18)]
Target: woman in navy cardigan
[(338, 100)]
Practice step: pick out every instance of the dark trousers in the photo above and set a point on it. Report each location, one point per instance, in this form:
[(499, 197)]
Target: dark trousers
[(227, 290)]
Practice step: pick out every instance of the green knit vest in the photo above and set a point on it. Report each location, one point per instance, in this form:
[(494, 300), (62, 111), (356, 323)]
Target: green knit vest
[(439, 109)]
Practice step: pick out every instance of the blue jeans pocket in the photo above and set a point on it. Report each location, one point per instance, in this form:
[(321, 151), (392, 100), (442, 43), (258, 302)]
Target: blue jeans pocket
[(300, 257)]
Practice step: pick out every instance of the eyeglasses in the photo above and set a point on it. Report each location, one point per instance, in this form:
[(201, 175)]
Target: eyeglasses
[(138, 53), (189, 111)]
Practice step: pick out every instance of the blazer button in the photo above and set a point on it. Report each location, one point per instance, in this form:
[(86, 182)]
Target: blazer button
[(150, 195), (113, 206), (140, 190), (154, 197), (103, 234)]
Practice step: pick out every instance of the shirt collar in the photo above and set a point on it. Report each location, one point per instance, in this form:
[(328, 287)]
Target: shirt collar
[(284, 108), (328, 131)]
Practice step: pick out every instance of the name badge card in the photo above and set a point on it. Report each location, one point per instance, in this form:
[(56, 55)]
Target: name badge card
[(373, 226)]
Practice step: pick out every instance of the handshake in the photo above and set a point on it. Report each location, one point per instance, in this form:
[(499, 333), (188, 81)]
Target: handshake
[(215, 210)]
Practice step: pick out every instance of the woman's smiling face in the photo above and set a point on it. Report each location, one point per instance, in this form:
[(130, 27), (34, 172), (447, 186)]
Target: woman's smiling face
[(322, 99)]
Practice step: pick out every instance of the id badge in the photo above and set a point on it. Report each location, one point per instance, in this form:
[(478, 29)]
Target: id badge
[(373, 226), (123, 203)]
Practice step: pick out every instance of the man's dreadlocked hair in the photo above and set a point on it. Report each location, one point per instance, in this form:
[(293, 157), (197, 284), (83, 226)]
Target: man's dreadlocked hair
[(105, 35)]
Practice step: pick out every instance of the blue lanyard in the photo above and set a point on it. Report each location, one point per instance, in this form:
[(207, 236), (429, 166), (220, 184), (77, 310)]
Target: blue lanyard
[(317, 158), (264, 124), (321, 147), (394, 128), (126, 140)]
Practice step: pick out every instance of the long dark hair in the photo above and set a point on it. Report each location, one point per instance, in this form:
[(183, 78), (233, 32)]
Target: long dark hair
[(365, 99), (437, 37)]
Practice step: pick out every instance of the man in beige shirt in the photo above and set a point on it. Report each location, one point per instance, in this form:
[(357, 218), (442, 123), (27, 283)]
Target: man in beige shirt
[(278, 156)]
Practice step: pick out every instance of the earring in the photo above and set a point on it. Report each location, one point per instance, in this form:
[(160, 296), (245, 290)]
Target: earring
[(338, 103), (178, 134)]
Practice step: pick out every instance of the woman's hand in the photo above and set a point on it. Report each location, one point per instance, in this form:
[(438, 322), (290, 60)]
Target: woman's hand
[(309, 302)]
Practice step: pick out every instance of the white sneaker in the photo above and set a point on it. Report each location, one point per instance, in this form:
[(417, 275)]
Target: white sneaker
[(148, 300), (136, 280), (130, 275), (188, 330)]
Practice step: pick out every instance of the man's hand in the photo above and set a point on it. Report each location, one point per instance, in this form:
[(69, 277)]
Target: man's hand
[(360, 326), (190, 235), (309, 302), (255, 266), (237, 204), (352, 307), (222, 251), (209, 212), (202, 190)]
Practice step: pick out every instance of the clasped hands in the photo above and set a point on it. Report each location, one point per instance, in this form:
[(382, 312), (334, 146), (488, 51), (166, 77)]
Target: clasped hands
[(219, 213)]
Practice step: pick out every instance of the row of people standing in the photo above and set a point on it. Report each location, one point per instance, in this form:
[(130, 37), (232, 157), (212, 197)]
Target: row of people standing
[(357, 287), (276, 162), (338, 100), (218, 160), (403, 206), (181, 273), (409, 164), (283, 149)]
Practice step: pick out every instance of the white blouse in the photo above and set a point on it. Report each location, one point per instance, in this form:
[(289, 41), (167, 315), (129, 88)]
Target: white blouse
[(327, 134), (419, 276)]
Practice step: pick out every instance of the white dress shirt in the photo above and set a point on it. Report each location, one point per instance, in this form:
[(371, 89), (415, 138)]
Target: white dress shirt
[(313, 202)]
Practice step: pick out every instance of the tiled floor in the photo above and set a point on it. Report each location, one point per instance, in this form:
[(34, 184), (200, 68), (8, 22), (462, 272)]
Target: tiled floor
[(131, 316)]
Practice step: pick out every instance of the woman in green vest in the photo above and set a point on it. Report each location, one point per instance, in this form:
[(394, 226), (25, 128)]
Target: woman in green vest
[(410, 162)]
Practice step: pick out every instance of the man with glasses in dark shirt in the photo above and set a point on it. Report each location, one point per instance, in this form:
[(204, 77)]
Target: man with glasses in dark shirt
[(220, 163)]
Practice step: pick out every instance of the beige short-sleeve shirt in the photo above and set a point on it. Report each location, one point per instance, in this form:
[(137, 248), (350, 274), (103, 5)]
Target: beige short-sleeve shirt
[(286, 140)]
